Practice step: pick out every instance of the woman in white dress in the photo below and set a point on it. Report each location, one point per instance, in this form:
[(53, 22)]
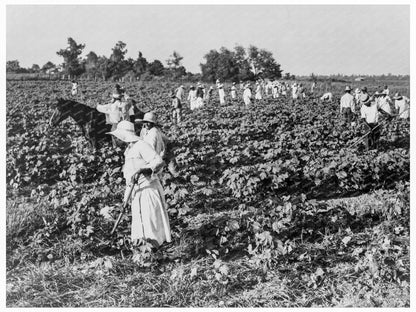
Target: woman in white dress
[(233, 91), (221, 92), (150, 219)]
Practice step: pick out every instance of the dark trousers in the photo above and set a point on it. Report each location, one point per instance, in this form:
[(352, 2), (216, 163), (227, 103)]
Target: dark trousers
[(346, 114), (374, 136)]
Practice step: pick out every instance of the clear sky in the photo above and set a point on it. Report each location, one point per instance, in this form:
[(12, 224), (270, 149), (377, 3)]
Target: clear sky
[(304, 39)]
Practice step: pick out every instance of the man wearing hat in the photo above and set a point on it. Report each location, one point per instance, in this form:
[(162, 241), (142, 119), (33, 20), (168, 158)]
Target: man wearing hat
[(112, 111), (151, 133), (401, 103), (370, 112), (347, 107), (150, 221)]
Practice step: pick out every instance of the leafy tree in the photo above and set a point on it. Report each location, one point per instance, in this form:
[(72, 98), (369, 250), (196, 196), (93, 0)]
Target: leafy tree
[(240, 64), (117, 65), (156, 68), (209, 69), (175, 60), (91, 63), (49, 65), (103, 67), (140, 65), (35, 68), (227, 68), (72, 62), (262, 62), (243, 64), (13, 66)]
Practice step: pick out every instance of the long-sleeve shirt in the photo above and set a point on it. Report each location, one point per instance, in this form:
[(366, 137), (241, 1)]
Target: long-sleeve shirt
[(347, 101), (180, 93), (111, 111), (155, 138), (403, 107), (370, 113), (139, 155), (384, 104), (247, 96)]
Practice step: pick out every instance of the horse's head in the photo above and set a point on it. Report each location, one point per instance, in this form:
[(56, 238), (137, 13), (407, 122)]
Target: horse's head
[(61, 112)]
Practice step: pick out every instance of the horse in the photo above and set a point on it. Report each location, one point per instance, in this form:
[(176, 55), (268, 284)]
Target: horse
[(92, 122)]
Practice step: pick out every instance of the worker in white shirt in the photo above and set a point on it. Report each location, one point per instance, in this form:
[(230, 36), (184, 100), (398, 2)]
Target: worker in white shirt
[(327, 97), (384, 101), (258, 95), (294, 91), (233, 91), (180, 92), (247, 95), (386, 90), (221, 92), (370, 112), (192, 98), (402, 105), (151, 133), (347, 105)]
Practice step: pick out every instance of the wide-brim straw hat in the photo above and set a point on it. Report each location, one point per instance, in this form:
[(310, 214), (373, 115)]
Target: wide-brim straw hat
[(116, 96), (397, 96), (125, 132), (348, 88), (366, 99), (148, 117)]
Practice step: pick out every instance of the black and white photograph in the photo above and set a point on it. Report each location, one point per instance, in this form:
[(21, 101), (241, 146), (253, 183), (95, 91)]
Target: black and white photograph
[(208, 154)]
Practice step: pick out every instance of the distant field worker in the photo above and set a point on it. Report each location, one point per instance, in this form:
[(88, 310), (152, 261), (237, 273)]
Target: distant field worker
[(275, 90), (150, 221), (386, 90), (176, 109), (233, 91), (294, 91), (221, 92), (347, 105), (199, 96), (192, 98), (112, 113), (327, 97), (247, 95), (258, 95), (74, 89), (180, 92), (313, 86), (402, 104), (209, 93)]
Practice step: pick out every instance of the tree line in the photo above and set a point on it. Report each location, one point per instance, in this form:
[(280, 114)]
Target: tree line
[(239, 64)]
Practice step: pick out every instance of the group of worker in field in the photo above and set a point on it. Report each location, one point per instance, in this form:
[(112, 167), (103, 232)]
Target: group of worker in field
[(371, 108), (145, 154)]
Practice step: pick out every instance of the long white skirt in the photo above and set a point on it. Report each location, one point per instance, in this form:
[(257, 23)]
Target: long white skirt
[(221, 94), (149, 215)]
